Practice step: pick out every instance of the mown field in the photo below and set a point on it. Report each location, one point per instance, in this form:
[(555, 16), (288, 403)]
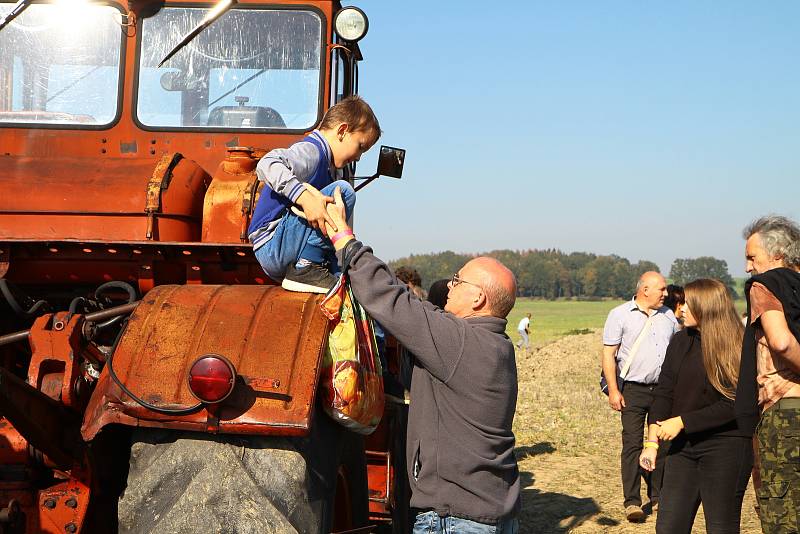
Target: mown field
[(568, 439)]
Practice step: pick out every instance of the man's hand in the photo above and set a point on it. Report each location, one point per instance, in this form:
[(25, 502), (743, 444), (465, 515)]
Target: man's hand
[(314, 206), (338, 215), (647, 460), (609, 365), (670, 428), (615, 399)]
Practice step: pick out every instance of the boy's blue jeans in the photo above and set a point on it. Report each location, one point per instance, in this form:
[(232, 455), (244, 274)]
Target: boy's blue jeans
[(294, 239), (431, 523)]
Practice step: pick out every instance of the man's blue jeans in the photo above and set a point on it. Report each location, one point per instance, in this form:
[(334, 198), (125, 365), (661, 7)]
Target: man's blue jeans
[(431, 523), (294, 239)]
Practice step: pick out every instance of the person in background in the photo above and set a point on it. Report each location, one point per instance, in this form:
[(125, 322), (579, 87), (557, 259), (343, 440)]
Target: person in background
[(635, 339), (523, 329), (710, 458), (411, 277), (437, 294), (768, 395), (674, 301)]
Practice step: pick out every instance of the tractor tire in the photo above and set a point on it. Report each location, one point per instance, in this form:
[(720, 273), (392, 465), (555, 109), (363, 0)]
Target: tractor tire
[(192, 482)]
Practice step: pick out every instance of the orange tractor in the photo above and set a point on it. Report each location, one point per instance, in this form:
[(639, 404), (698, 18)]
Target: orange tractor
[(152, 378)]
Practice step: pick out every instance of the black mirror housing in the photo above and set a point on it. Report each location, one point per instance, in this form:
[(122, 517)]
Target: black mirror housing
[(390, 161)]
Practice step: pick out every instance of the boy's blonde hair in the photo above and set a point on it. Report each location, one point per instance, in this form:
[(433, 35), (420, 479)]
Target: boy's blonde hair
[(355, 112)]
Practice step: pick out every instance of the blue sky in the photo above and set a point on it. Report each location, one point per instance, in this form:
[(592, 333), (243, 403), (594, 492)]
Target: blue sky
[(650, 130)]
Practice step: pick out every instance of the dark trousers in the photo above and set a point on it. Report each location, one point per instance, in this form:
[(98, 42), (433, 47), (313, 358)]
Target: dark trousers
[(638, 398), (713, 471)]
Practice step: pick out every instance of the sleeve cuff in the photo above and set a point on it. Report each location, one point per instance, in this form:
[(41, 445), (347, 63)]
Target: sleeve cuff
[(294, 188), (345, 256), (691, 423)]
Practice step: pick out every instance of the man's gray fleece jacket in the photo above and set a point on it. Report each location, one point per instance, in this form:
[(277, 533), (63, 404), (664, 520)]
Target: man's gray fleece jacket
[(463, 395)]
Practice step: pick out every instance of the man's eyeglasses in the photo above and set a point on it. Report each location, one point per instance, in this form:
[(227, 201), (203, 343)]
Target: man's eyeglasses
[(457, 280)]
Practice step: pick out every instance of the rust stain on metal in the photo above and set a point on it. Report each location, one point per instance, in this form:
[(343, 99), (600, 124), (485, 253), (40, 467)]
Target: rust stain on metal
[(129, 147)]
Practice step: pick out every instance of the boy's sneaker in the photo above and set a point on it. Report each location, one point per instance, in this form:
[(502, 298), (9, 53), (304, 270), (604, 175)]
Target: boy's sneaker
[(311, 278)]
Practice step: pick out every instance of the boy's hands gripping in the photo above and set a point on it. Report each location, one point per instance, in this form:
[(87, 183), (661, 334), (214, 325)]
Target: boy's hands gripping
[(338, 214), (314, 204)]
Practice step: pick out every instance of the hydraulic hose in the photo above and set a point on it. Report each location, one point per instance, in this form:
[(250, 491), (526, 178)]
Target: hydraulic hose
[(15, 306), (114, 284)]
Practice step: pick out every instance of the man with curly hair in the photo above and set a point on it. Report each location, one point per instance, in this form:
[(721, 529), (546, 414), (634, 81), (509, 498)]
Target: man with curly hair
[(768, 393)]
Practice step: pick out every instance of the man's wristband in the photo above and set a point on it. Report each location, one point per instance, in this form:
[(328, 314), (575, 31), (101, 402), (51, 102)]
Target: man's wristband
[(344, 233), (649, 444)]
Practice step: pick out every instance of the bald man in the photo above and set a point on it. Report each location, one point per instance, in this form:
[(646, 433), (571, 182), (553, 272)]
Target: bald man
[(460, 447), (635, 340)]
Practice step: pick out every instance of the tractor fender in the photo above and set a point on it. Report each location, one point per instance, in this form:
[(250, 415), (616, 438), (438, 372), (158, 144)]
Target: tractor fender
[(274, 338)]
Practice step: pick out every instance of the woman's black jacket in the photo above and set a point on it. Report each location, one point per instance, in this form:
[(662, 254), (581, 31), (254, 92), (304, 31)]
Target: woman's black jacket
[(689, 394)]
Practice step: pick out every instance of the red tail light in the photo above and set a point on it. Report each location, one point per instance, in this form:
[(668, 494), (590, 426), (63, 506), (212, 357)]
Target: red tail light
[(211, 378)]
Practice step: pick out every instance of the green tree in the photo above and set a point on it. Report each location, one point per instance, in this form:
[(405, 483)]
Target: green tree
[(644, 266), (544, 273), (432, 267), (684, 270)]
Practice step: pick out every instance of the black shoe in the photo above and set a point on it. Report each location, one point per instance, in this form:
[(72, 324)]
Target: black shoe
[(312, 278)]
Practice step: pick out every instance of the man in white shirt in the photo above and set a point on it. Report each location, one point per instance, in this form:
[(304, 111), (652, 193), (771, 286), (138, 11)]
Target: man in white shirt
[(522, 328), (621, 340)]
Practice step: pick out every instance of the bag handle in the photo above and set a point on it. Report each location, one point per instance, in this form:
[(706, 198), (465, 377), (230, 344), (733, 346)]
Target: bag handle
[(635, 349)]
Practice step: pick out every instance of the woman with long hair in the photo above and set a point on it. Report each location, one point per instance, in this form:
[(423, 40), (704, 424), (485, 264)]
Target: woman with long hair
[(709, 458)]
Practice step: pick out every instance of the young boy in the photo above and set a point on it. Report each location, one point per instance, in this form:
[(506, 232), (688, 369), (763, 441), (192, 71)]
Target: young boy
[(292, 245)]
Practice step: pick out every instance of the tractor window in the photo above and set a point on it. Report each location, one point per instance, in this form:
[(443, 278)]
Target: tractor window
[(252, 68), (60, 65)]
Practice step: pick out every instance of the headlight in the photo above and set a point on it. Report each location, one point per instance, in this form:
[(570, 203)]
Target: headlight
[(350, 24)]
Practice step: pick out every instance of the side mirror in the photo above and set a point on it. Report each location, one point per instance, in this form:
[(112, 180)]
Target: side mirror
[(390, 163)]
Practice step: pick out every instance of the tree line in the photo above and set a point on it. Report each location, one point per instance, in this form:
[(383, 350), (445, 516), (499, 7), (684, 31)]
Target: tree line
[(552, 273)]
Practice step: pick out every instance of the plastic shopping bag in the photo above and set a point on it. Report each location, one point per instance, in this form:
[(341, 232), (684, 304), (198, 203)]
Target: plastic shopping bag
[(351, 380)]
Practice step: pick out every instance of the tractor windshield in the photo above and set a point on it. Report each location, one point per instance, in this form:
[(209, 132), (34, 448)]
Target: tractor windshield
[(60, 65), (252, 68)]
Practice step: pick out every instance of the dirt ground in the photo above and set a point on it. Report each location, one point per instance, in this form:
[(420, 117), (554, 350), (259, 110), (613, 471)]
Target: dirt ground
[(568, 444)]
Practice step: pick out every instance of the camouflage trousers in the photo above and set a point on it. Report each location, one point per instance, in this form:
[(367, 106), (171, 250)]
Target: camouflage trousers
[(779, 452)]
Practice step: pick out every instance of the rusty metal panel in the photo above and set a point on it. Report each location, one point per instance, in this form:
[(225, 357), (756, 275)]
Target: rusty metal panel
[(88, 199), (273, 337)]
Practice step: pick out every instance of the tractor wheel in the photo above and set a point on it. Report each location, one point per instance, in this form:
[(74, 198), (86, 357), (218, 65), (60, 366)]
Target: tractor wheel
[(191, 482)]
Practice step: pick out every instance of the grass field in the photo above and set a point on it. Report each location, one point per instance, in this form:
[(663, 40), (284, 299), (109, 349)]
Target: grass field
[(552, 319)]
